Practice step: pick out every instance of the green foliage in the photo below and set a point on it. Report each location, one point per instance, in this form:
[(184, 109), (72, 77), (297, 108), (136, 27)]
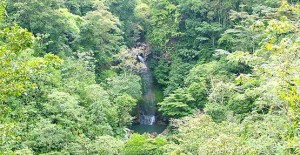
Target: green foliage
[(161, 72), (16, 39), (258, 134), (48, 104), (64, 109), (76, 76), (45, 136), (177, 73), (218, 112), (21, 72), (105, 145), (203, 77), (78, 7), (124, 104), (143, 145), (200, 135), (245, 36), (2, 11), (229, 71), (265, 134), (9, 137), (76, 27), (101, 113), (163, 22), (99, 34), (129, 22), (177, 105), (35, 16), (119, 85), (200, 22)]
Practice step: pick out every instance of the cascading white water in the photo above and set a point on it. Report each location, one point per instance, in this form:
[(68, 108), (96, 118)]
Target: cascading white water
[(141, 59), (147, 119), (148, 106)]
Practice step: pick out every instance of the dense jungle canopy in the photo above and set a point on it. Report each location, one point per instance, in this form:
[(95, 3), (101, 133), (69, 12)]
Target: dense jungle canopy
[(223, 76)]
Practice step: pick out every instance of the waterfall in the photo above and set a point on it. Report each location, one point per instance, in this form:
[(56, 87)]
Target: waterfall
[(148, 106), (141, 59), (147, 119)]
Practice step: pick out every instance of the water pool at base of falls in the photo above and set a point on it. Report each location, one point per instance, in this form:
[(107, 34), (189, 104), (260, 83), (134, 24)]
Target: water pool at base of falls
[(143, 128)]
